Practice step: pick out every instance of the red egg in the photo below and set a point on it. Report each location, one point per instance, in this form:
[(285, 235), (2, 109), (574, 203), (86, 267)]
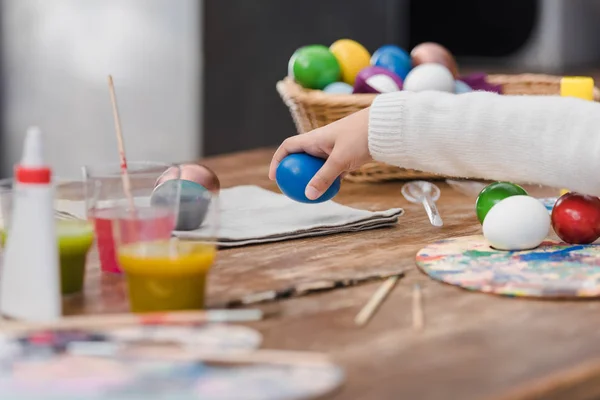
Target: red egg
[(576, 218), (430, 52), (200, 174)]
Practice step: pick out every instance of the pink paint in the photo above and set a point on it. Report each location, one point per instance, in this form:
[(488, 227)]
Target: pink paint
[(103, 224), (148, 224)]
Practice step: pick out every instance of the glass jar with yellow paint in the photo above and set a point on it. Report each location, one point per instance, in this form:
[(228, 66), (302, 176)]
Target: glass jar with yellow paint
[(166, 274)]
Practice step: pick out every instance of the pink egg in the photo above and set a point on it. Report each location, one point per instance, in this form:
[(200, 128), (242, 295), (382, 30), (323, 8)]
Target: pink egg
[(200, 174), (430, 52)]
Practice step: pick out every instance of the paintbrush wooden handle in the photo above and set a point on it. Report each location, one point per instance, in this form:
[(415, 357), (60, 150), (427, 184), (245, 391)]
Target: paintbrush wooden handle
[(148, 351), (303, 289), (121, 144), (114, 320)]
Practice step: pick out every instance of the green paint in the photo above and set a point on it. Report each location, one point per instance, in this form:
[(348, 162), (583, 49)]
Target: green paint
[(477, 253), (75, 238)]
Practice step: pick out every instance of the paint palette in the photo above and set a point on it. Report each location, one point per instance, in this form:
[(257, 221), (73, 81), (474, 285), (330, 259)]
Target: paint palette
[(553, 270), (211, 336), (53, 364)]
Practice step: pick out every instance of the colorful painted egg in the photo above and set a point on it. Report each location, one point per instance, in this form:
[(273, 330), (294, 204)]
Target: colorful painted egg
[(352, 57), (295, 172), (314, 67), (377, 80), (492, 194), (394, 59), (193, 204), (576, 218), (200, 174)]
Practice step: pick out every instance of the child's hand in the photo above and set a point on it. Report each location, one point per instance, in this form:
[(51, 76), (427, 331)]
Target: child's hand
[(343, 143)]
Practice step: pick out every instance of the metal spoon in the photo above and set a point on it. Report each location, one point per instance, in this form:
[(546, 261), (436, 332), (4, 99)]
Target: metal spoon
[(427, 194)]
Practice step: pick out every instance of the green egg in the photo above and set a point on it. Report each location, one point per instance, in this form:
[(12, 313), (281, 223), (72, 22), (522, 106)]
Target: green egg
[(314, 67), (492, 194)]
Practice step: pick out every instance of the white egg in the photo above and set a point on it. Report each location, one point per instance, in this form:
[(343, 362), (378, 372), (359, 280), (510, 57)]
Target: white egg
[(430, 76), (516, 223)]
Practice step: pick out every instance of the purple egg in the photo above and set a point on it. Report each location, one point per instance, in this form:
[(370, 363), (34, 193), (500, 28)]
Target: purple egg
[(478, 81), (377, 80)]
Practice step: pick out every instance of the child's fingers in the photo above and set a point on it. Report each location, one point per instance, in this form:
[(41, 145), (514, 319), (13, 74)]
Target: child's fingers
[(304, 143), (290, 145), (324, 177)]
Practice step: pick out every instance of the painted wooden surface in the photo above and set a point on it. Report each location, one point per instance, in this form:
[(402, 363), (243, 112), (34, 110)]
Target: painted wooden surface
[(474, 346)]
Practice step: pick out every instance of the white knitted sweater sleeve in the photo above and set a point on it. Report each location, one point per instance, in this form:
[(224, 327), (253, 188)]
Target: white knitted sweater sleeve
[(548, 140)]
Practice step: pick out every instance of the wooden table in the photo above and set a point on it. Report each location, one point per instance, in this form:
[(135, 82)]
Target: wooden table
[(474, 346)]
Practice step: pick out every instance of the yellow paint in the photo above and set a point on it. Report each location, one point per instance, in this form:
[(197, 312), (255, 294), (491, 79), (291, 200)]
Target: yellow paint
[(166, 275), (352, 58), (581, 87)]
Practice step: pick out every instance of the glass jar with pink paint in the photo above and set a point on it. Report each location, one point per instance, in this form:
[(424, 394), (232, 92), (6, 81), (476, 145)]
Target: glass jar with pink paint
[(107, 195)]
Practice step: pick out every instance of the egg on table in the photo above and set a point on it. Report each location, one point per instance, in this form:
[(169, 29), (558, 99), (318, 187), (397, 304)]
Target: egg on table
[(516, 223), (200, 174), (494, 193), (197, 185)]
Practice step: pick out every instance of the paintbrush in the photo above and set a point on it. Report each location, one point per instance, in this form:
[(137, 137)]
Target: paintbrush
[(116, 320), (121, 145), (175, 353), (304, 289)]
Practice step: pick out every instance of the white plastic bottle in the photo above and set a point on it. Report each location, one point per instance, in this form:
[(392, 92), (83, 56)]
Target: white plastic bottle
[(30, 280)]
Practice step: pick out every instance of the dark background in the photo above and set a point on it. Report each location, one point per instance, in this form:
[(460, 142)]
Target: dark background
[(247, 46)]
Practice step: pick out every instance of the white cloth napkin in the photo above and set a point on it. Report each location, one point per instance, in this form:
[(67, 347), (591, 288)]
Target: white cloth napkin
[(252, 215)]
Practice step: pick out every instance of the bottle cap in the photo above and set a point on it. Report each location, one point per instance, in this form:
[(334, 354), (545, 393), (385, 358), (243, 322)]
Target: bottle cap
[(33, 168), (577, 86)]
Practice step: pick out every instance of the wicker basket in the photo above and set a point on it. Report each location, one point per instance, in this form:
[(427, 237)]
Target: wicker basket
[(312, 109)]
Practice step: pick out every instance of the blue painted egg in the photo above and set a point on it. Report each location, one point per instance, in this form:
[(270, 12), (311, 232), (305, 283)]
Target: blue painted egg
[(461, 87), (338, 88), (394, 59), (295, 172), (193, 203)]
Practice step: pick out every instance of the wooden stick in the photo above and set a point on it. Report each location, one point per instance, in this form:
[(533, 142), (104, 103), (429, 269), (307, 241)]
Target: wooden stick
[(115, 320), (375, 301), (120, 143), (417, 308)]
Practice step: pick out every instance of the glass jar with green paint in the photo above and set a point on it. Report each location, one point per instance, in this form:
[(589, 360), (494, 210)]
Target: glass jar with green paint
[(75, 233)]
